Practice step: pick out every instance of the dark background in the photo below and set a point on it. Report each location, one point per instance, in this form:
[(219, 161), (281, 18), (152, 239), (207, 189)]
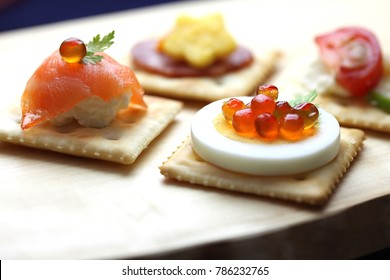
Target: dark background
[(15, 14)]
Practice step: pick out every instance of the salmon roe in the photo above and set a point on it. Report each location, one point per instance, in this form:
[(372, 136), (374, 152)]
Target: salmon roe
[(230, 107), (244, 120), (267, 126), (73, 50), (308, 111), (262, 103), (269, 90), (282, 108), (269, 118), (291, 127)]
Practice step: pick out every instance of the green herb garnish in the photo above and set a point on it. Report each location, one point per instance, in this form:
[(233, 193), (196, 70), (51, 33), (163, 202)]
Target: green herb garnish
[(380, 100), (309, 98), (97, 45)]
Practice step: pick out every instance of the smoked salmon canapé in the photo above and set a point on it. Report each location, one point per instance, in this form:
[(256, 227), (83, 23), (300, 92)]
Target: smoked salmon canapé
[(80, 82), (82, 102)]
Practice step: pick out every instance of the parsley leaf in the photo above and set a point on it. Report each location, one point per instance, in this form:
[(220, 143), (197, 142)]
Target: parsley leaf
[(98, 45), (309, 98)]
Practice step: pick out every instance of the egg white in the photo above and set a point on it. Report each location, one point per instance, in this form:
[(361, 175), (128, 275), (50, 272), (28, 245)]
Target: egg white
[(265, 159)]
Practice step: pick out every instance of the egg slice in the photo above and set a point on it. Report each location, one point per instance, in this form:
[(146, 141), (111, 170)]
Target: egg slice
[(265, 159)]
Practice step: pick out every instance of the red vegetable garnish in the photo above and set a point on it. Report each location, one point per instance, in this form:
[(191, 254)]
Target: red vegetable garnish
[(354, 54)]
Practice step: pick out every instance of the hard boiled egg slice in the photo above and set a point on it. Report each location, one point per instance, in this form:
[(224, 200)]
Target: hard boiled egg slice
[(263, 158)]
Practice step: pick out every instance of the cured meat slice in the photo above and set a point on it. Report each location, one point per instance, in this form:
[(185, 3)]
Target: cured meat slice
[(146, 57)]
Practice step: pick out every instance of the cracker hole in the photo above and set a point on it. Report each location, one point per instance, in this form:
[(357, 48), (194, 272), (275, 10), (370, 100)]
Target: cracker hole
[(343, 103), (68, 128), (112, 135), (219, 81), (300, 177)]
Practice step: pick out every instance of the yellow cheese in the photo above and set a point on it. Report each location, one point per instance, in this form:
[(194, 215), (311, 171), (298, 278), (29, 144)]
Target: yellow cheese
[(198, 41)]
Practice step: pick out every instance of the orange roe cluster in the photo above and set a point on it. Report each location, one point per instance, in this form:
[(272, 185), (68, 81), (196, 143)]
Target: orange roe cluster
[(270, 118)]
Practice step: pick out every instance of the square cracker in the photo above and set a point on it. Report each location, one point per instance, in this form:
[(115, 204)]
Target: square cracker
[(122, 141), (312, 187), (238, 83), (353, 113)]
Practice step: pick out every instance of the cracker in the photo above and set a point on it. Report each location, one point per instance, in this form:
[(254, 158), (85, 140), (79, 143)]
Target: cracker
[(313, 187), (122, 141), (238, 83), (353, 113)]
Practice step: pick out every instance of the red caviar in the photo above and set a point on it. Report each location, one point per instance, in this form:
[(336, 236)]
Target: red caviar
[(271, 119), (282, 108), (309, 112), (269, 90), (267, 126), (73, 50), (291, 128), (262, 103), (244, 121), (230, 107)]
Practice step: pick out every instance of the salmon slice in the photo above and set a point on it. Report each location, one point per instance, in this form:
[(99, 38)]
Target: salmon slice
[(57, 86)]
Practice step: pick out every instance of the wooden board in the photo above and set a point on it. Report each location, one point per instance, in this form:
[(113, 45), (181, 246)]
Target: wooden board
[(55, 206)]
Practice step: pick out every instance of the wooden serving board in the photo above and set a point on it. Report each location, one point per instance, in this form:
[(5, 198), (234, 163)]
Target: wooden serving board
[(55, 206)]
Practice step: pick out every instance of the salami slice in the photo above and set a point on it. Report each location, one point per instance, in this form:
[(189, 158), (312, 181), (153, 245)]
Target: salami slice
[(146, 57)]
